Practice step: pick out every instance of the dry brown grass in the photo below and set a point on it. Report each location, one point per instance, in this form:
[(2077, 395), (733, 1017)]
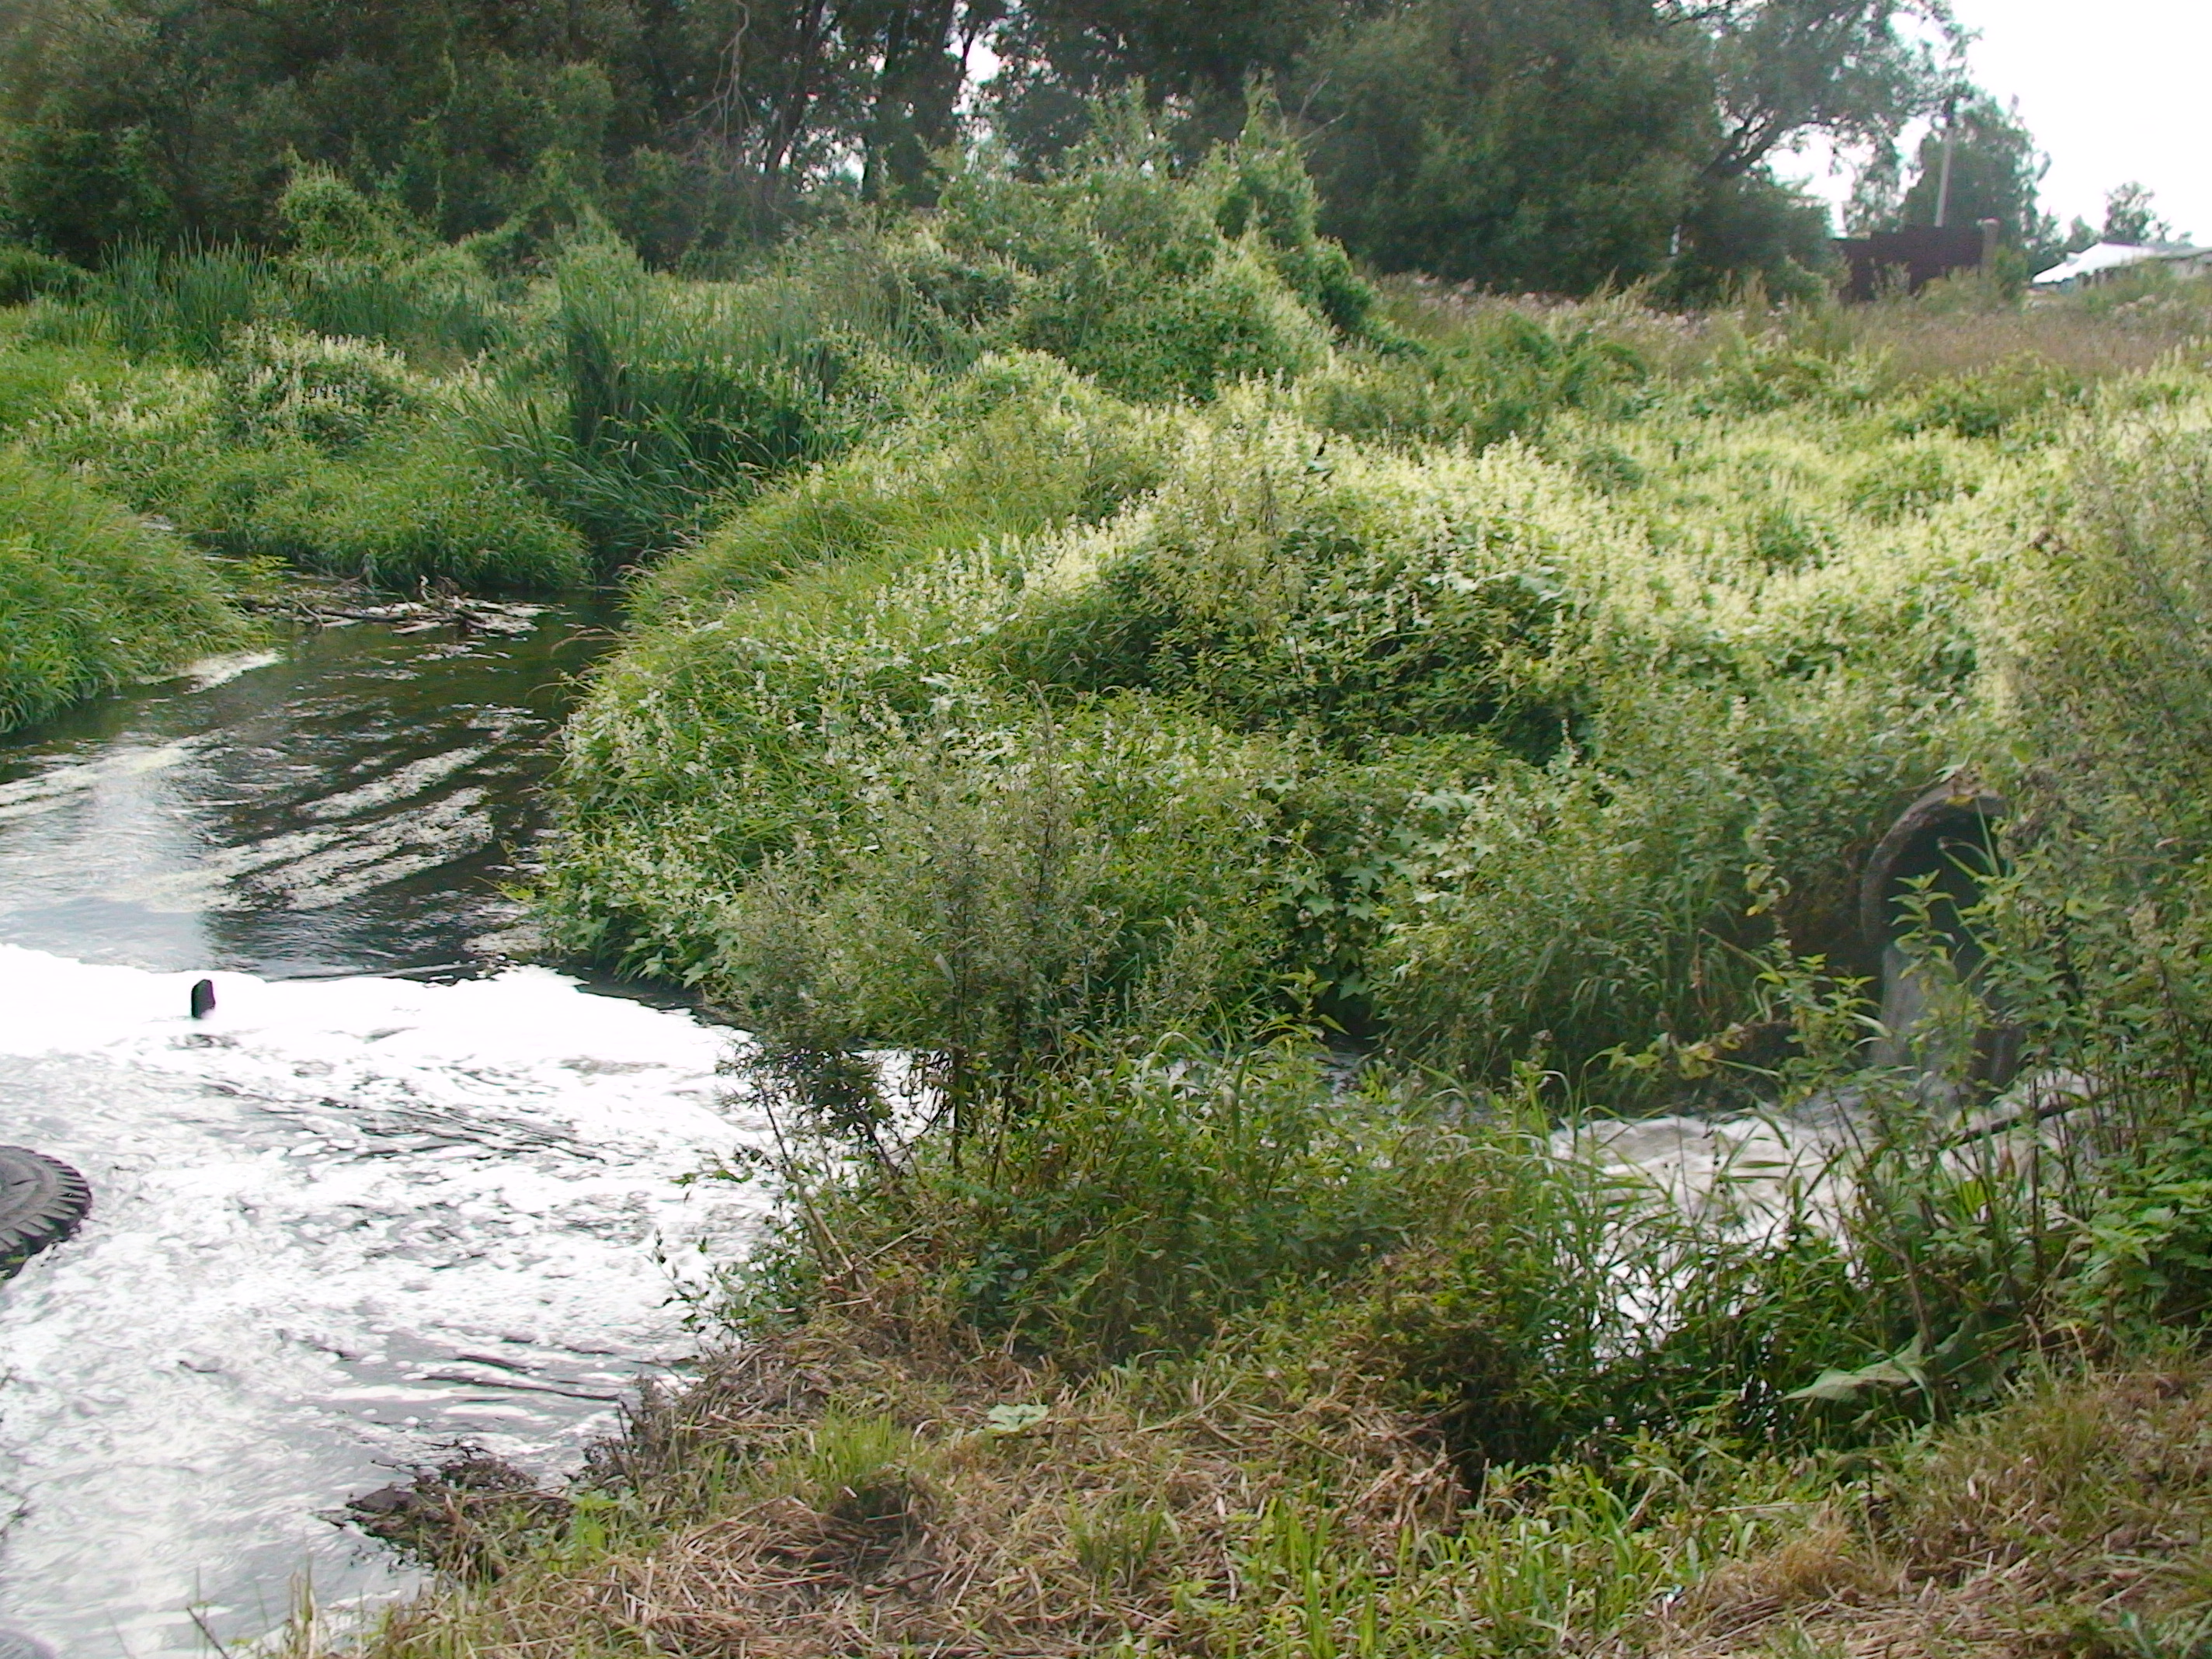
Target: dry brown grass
[(2076, 1518), (819, 1496), (1948, 332), (1920, 342), (850, 1491)]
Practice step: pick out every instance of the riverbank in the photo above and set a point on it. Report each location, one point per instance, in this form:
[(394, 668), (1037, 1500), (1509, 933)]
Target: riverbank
[(1265, 753), (1546, 764), (92, 598), (813, 1498)]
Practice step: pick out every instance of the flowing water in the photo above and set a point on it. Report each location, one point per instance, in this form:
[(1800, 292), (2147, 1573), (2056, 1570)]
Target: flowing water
[(394, 1193), (390, 1195)]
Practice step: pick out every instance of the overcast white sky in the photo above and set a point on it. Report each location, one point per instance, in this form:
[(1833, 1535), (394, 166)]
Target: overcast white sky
[(2113, 90)]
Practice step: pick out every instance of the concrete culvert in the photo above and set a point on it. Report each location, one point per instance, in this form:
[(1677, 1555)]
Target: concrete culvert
[(42, 1199), (1944, 844)]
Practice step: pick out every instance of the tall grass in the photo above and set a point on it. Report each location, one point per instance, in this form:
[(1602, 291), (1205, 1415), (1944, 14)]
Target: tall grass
[(91, 597), (674, 401), (184, 303)]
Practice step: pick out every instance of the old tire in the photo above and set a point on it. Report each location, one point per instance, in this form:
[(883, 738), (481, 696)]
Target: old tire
[(41, 1201)]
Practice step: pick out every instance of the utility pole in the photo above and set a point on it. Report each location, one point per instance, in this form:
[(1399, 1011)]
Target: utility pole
[(1950, 145)]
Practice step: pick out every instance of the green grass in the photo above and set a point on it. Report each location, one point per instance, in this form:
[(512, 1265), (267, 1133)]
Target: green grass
[(91, 597), (1263, 756), (404, 511)]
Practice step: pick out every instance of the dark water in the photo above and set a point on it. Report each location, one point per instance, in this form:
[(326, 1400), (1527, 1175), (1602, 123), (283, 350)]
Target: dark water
[(355, 804), (396, 1192)]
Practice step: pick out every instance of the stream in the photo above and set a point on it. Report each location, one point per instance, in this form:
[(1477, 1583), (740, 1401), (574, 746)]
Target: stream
[(394, 1193)]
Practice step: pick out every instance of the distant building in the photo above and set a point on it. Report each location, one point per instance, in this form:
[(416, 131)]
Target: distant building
[(1913, 258), (2096, 264)]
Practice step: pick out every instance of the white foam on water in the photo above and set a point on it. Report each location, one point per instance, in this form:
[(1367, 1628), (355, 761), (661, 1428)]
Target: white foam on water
[(210, 671), (65, 785), (402, 782), (1747, 1174), (336, 1224)]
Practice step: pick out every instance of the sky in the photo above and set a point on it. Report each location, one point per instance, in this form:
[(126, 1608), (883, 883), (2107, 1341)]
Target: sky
[(2113, 90)]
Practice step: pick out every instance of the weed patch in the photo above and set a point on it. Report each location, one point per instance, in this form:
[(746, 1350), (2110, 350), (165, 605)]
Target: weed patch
[(91, 597)]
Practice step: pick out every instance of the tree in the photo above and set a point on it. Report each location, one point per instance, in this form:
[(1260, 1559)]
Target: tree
[(1850, 68), (1996, 171), (2130, 217), (1563, 143), (1192, 60), (681, 120)]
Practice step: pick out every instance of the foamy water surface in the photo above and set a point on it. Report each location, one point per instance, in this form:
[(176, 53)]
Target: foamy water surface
[(348, 1219)]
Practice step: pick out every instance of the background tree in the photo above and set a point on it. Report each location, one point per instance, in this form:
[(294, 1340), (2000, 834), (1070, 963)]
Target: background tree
[(1194, 62), (1997, 172), (1523, 144), (1544, 147), (1562, 144), (2130, 217), (684, 121)]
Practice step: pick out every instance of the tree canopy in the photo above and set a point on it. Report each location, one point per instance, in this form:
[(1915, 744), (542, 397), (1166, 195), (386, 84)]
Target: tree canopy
[(1547, 143)]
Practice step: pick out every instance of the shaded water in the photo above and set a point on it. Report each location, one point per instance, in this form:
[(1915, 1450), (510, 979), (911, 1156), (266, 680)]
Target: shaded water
[(351, 1217)]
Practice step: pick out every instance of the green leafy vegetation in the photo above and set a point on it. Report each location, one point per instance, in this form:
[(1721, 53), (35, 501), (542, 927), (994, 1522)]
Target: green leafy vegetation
[(1289, 844), (1270, 871), (92, 598)]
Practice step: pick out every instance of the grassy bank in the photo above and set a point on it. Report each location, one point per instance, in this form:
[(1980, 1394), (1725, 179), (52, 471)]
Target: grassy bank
[(91, 597), (1283, 765), (1260, 823), (1126, 1521)]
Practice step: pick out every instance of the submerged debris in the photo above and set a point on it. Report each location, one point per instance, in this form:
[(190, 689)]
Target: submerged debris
[(436, 603), (458, 1516)]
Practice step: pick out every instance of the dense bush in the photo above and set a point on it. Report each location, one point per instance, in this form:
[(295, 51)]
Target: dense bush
[(26, 274), (405, 511), (1507, 378), (1015, 446), (332, 393), (1523, 789), (1156, 282), (90, 598)]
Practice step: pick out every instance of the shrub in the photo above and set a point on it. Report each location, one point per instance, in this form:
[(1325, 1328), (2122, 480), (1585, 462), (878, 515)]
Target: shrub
[(332, 393), (1274, 584), (1131, 1205), (2111, 620), (1507, 376), (2021, 396), (1159, 283), (91, 597), (362, 268), (1520, 784), (1016, 446), (26, 274), (393, 516), (433, 306), (1006, 887), (1174, 339)]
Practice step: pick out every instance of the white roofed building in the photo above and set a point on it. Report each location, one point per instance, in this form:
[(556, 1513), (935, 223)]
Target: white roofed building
[(2092, 264)]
